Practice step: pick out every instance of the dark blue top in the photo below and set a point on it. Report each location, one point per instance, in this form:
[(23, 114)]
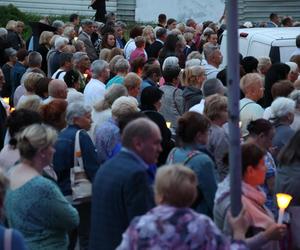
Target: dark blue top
[(16, 238), (16, 74), (63, 159)]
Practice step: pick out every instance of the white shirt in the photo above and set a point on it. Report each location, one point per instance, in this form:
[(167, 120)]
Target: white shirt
[(61, 75), (198, 107), (249, 111), (210, 71), (94, 92), (129, 47), (74, 96)]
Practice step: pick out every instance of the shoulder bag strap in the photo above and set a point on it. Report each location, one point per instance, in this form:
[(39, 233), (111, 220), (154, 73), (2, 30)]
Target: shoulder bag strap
[(7, 239), (246, 105), (190, 156), (58, 74), (77, 151)]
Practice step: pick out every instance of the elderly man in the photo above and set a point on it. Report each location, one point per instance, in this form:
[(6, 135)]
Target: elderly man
[(81, 63), (57, 89), (85, 36), (95, 89), (252, 87), (121, 190), (214, 58)]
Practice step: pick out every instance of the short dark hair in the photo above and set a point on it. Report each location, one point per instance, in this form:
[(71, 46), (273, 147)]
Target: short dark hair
[(161, 32), (73, 17), (273, 15), (21, 54), (251, 155), (170, 21), (162, 18), (189, 124), (71, 77), (42, 87), (20, 119), (249, 64), (171, 72), (259, 126), (65, 57), (136, 31)]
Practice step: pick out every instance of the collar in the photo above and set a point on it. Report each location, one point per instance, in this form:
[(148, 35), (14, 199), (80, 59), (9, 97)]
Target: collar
[(136, 156), (159, 40)]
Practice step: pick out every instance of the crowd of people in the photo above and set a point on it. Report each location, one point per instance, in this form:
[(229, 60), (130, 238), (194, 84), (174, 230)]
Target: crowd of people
[(96, 130)]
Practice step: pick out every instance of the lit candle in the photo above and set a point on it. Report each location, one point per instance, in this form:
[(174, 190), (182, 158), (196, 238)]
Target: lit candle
[(85, 75), (75, 38), (6, 100), (12, 110), (283, 200), (168, 124)]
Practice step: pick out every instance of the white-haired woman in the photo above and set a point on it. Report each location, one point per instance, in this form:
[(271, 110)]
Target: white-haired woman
[(78, 117), (107, 135), (34, 205), (283, 110), (172, 224)]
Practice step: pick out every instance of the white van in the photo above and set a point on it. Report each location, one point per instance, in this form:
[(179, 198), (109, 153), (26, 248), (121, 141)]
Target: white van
[(277, 43)]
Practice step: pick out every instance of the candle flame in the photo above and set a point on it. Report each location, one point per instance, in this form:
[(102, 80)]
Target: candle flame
[(283, 200)]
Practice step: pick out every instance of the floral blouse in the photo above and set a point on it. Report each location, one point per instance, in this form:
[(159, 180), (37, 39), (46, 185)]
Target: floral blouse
[(166, 227)]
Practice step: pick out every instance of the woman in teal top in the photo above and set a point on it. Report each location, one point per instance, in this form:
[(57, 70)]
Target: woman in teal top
[(192, 132), (34, 205)]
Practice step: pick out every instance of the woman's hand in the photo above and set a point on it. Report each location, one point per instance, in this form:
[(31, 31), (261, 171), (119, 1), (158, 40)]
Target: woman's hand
[(239, 224), (275, 232)]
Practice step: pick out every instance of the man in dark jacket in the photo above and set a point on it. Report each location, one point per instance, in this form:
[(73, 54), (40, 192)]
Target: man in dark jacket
[(121, 190)]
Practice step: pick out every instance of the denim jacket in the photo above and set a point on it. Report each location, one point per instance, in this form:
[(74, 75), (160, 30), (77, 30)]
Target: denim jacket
[(63, 159)]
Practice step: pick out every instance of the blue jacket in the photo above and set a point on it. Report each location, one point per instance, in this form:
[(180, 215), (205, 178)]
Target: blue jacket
[(121, 191), (63, 159), (16, 74), (204, 168)]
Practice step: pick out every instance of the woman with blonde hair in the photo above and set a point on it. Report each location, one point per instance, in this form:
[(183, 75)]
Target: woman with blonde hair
[(192, 79), (34, 205), (13, 39), (44, 47), (172, 224)]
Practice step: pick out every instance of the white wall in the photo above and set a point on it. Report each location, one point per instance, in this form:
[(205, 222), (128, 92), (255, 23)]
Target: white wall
[(200, 10)]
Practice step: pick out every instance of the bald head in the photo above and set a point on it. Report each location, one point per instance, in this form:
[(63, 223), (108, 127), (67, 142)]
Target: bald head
[(144, 138), (57, 89)]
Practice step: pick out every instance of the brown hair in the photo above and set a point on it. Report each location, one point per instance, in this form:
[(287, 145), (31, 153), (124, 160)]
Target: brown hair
[(189, 124), (282, 88), (54, 113)]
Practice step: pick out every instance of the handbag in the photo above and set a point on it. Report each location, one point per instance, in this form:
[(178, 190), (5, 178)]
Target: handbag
[(80, 184)]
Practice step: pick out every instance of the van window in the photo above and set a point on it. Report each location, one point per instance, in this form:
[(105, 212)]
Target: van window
[(285, 53), (258, 49)]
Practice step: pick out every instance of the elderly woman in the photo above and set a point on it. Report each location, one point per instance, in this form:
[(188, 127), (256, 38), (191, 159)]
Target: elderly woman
[(282, 110), (172, 224), (34, 205), (261, 132), (78, 118), (108, 137), (44, 48), (192, 131), (122, 67), (192, 78), (218, 142), (264, 233), (133, 82)]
